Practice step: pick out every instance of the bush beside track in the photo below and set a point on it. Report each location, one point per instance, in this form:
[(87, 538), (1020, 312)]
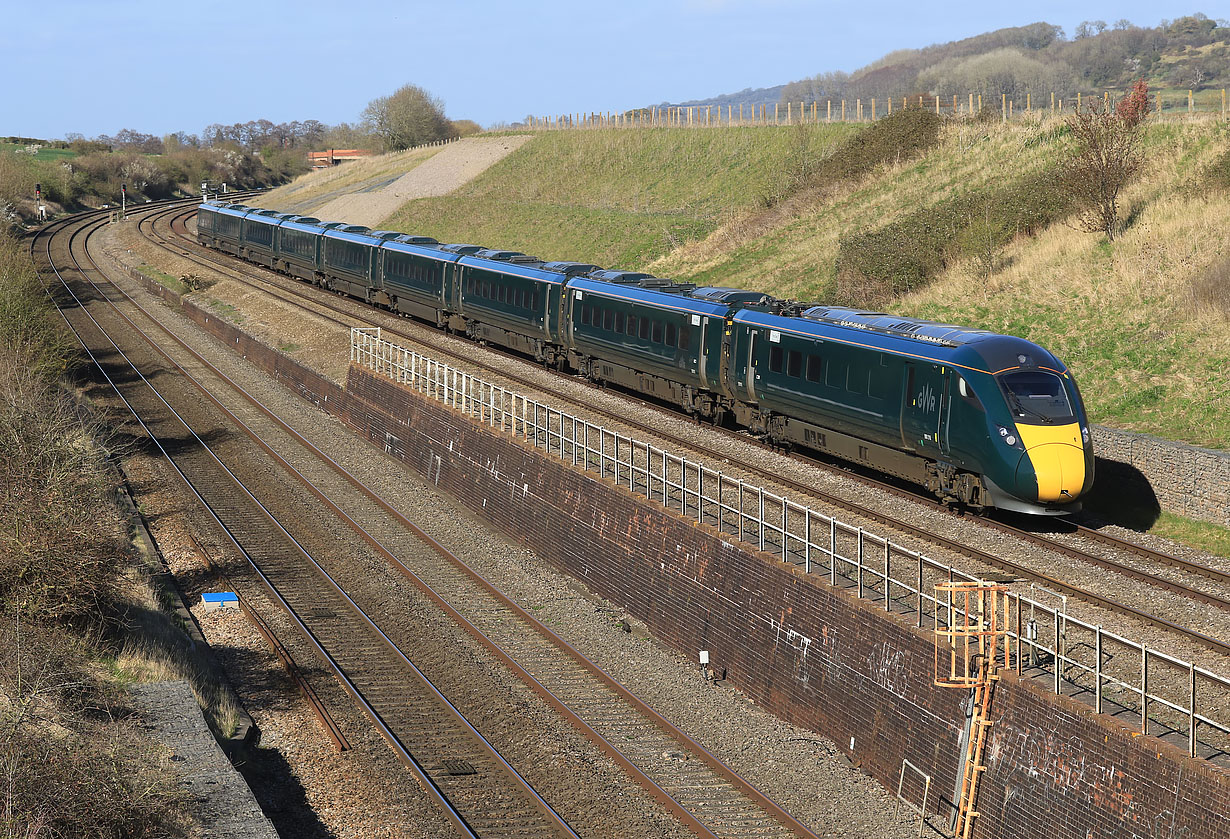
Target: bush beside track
[(72, 762)]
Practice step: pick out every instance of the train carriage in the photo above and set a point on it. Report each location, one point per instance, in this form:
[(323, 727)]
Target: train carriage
[(647, 334), (510, 299), (348, 259), (260, 228), (221, 226), (298, 246), (921, 400), (412, 277)]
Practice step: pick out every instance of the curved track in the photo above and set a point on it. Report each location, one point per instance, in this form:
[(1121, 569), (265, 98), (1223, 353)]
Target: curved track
[(703, 793)]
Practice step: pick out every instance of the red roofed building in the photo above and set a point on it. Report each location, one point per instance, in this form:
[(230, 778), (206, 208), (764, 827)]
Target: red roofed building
[(332, 157)]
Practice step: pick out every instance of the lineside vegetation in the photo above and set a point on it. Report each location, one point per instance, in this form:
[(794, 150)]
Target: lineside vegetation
[(71, 764)]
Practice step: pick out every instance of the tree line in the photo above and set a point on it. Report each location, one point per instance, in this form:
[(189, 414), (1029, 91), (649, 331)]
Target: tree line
[(409, 116), (1191, 52)]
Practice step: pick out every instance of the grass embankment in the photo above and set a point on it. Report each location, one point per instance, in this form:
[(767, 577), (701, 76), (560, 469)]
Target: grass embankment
[(617, 198), (77, 621)]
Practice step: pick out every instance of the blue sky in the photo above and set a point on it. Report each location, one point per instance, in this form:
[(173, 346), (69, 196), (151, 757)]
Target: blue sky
[(488, 61)]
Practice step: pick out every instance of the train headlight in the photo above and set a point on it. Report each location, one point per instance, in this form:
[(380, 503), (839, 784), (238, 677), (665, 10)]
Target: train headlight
[(1085, 434), (1007, 436)]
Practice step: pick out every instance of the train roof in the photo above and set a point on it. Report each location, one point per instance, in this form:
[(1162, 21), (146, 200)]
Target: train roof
[(351, 233), (307, 224), (236, 210), (731, 296), (972, 349), (513, 263), (420, 246), (661, 294), (570, 269)]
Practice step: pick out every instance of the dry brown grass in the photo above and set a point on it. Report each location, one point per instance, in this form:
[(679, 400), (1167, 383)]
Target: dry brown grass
[(792, 254), (163, 653), (1139, 320), (1211, 290)]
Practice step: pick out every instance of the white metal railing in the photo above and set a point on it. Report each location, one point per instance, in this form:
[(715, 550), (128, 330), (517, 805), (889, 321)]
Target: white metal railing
[(1073, 654)]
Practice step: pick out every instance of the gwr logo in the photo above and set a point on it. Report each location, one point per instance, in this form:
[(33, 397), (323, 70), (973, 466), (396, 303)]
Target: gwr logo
[(925, 401)]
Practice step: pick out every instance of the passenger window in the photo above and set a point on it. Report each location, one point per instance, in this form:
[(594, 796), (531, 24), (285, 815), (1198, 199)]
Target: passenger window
[(619, 322), (856, 380), (775, 358), (794, 364), (685, 338), (645, 324), (608, 318), (671, 335), (657, 331), (814, 368), (632, 326), (536, 300), (586, 316)]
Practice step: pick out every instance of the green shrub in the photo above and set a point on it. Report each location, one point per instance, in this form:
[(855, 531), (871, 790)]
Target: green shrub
[(899, 136), (1219, 172), (876, 266)]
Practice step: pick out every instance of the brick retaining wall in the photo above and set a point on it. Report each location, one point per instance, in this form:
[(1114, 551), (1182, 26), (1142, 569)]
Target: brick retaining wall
[(811, 654)]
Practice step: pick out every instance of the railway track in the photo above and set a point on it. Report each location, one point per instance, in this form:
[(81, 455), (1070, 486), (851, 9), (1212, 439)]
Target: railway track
[(478, 792), (345, 313), (704, 794)]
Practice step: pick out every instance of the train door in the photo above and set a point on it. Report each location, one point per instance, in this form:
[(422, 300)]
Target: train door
[(925, 407), (753, 371), (726, 361), (454, 293)]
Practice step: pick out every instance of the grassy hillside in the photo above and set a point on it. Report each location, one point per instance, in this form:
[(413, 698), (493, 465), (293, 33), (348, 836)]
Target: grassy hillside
[(616, 198), (1134, 318)]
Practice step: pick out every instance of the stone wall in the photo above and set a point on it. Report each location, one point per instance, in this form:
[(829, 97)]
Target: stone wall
[(1185, 480)]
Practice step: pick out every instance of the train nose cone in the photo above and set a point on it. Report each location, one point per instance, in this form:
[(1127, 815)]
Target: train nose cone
[(1059, 469)]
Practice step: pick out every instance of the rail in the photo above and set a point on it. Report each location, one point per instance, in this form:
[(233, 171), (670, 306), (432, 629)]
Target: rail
[(1172, 697)]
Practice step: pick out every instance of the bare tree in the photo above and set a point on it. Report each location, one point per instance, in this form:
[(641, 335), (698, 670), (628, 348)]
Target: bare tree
[(1104, 157), (409, 117)]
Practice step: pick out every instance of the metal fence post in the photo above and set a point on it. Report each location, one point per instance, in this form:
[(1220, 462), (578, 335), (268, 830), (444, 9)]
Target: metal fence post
[(807, 542), (1191, 709), (833, 552), (1097, 672), (858, 553), (1144, 689)]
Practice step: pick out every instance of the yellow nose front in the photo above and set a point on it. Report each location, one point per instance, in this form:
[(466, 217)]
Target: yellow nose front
[(1058, 459)]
